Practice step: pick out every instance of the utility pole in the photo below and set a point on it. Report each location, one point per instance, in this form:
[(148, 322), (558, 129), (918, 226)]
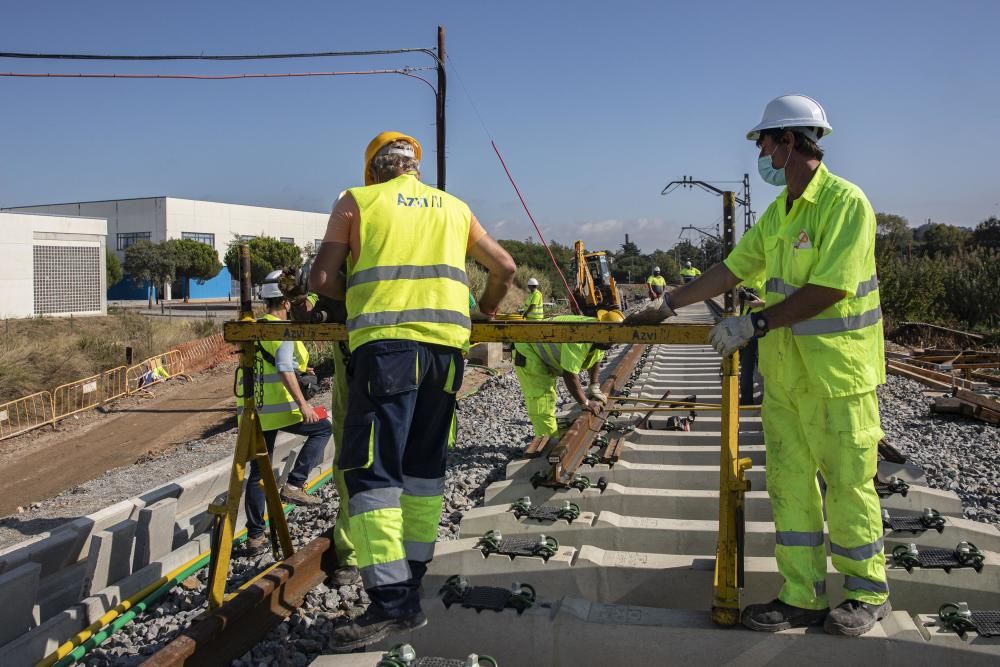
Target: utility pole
[(439, 112)]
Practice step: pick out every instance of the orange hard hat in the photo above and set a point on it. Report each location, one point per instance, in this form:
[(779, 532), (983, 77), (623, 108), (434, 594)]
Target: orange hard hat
[(380, 142)]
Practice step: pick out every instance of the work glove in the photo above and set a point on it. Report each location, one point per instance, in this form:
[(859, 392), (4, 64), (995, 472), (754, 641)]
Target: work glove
[(653, 312), (594, 392), (731, 334)]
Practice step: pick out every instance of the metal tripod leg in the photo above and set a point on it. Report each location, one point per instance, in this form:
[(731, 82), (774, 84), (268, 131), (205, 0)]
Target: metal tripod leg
[(249, 445)]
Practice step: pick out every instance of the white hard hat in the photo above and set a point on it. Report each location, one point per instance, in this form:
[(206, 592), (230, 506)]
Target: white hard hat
[(793, 111), (687, 263), (532, 282), (270, 289), (656, 269)]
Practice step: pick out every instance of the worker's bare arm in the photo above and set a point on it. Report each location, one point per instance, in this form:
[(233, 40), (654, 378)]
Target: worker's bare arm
[(595, 374), (804, 303), (575, 387), (324, 278), (712, 283), (500, 266)]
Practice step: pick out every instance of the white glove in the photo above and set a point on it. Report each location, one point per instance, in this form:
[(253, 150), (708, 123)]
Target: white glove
[(594, 392), (731, 334), (653, 312)]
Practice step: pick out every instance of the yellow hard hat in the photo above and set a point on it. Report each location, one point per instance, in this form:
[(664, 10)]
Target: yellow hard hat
[(379, 142), (610, 316)]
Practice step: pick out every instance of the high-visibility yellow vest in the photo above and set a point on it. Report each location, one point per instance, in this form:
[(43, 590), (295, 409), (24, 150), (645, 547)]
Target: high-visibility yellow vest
[(827, 239), (656, 281), (556, 358), (409, 279), (534, 299), (276, 408), (693, 272)]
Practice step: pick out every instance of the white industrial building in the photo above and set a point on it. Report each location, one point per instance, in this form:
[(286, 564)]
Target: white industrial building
[(52, 265), (161, 218)]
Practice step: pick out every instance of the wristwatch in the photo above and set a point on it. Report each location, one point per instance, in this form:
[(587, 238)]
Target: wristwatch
[(759, 322)]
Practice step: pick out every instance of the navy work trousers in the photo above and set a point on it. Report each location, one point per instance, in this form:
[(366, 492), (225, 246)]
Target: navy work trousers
[(400, 412), (317, 435)]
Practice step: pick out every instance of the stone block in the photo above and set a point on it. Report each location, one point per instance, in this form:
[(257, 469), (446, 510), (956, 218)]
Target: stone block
[(110, 557), (487, 354)]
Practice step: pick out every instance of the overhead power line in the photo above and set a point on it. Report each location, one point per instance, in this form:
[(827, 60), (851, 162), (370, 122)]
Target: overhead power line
[(248, 56)]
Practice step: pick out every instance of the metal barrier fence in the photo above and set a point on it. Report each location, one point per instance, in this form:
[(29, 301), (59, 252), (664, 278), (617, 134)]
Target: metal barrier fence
[(39, 409), (26, 413), (154, 370), (88, 393)]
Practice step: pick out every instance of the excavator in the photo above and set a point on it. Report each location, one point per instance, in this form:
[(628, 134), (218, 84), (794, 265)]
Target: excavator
[(594, 288)]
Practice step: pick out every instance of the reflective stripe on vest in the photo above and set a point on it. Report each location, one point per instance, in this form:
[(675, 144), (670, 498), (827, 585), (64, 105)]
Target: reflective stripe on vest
[(409, 280), (831, 325), (548, 354)]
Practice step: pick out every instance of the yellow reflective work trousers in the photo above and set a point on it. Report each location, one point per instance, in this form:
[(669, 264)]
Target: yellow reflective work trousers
[(342, 543), (539, 400), (837, 437)]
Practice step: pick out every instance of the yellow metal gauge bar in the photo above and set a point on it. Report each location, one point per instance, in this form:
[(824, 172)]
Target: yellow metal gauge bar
[(495, 332)]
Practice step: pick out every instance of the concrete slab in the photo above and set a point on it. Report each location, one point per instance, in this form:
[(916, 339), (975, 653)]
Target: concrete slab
[(647, 436), (31, 647), (18, 591), (570, 632), (643, 474), (154, 535), (685, 581), (111, 556), (636, 501), (699, 455)]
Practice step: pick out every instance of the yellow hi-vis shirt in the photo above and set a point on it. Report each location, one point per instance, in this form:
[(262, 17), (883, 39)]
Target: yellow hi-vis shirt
[(827, 239), (554, 359), (690, 272), (534, 299), (658, 283)]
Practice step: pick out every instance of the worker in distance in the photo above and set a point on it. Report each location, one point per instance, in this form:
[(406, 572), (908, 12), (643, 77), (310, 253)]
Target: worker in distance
[(408, 324), (822, 356)]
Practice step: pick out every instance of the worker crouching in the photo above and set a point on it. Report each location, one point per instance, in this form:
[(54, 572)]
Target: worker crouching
[(408, 325), (539, 365)]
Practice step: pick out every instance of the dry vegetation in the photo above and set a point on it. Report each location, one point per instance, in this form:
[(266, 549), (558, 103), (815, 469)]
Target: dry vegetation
[(44, 352)]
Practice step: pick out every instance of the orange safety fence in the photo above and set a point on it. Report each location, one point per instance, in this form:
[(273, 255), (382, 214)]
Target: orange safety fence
[(154, 370), (88, 393), (205, 352), (26, 413)]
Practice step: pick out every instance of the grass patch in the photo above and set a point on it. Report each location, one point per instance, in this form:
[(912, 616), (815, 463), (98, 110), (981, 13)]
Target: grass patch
[(44, 352)]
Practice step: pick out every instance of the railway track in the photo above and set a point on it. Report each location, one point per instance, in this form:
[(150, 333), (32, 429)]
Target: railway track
[(621, 570)]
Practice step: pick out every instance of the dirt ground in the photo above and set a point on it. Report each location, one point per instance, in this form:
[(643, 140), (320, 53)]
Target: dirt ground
[(44, 463)]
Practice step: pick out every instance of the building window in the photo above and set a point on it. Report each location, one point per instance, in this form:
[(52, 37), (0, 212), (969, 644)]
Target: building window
[(207, 239), (67, 279), (317, 243), (247, 237), (287, 239), (125, 240)]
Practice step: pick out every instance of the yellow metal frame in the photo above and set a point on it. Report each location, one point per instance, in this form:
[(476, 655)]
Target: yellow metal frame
[(732, 481), (249, 446)]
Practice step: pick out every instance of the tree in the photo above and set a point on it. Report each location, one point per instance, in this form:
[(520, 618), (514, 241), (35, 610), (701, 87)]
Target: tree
[(685, 251), (192, 259), (266, 254), (987, 233), (148, 263), (892, 231), (945, 240), (112, 268), (629, 249)]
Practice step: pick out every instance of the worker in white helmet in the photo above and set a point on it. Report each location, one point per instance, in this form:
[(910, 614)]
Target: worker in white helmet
[(532, 309), (282, 406), (822, 356), (689, 272), (656, 283)]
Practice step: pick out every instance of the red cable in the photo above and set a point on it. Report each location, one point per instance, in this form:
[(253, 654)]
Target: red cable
[(569, 292)]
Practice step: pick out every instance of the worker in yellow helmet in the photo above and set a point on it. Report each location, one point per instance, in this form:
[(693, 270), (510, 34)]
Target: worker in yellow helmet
[(689, 272), (533, 309), (656, 284), (539, 365), (408, 325), (822, 356)]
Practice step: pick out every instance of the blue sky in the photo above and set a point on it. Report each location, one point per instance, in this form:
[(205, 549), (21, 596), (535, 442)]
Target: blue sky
[(595, 105)]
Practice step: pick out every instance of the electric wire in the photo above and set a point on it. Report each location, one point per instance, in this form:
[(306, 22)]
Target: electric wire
[(569, 293), (248, 56)]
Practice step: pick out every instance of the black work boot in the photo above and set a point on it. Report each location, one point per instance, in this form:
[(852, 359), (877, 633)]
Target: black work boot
[(373, 626), (854, 618), (776, 615)]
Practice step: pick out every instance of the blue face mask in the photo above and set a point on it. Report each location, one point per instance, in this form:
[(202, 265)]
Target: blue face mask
[(765, 166)]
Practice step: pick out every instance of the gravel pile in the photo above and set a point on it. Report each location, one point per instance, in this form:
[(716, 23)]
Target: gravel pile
[(958, 454)]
